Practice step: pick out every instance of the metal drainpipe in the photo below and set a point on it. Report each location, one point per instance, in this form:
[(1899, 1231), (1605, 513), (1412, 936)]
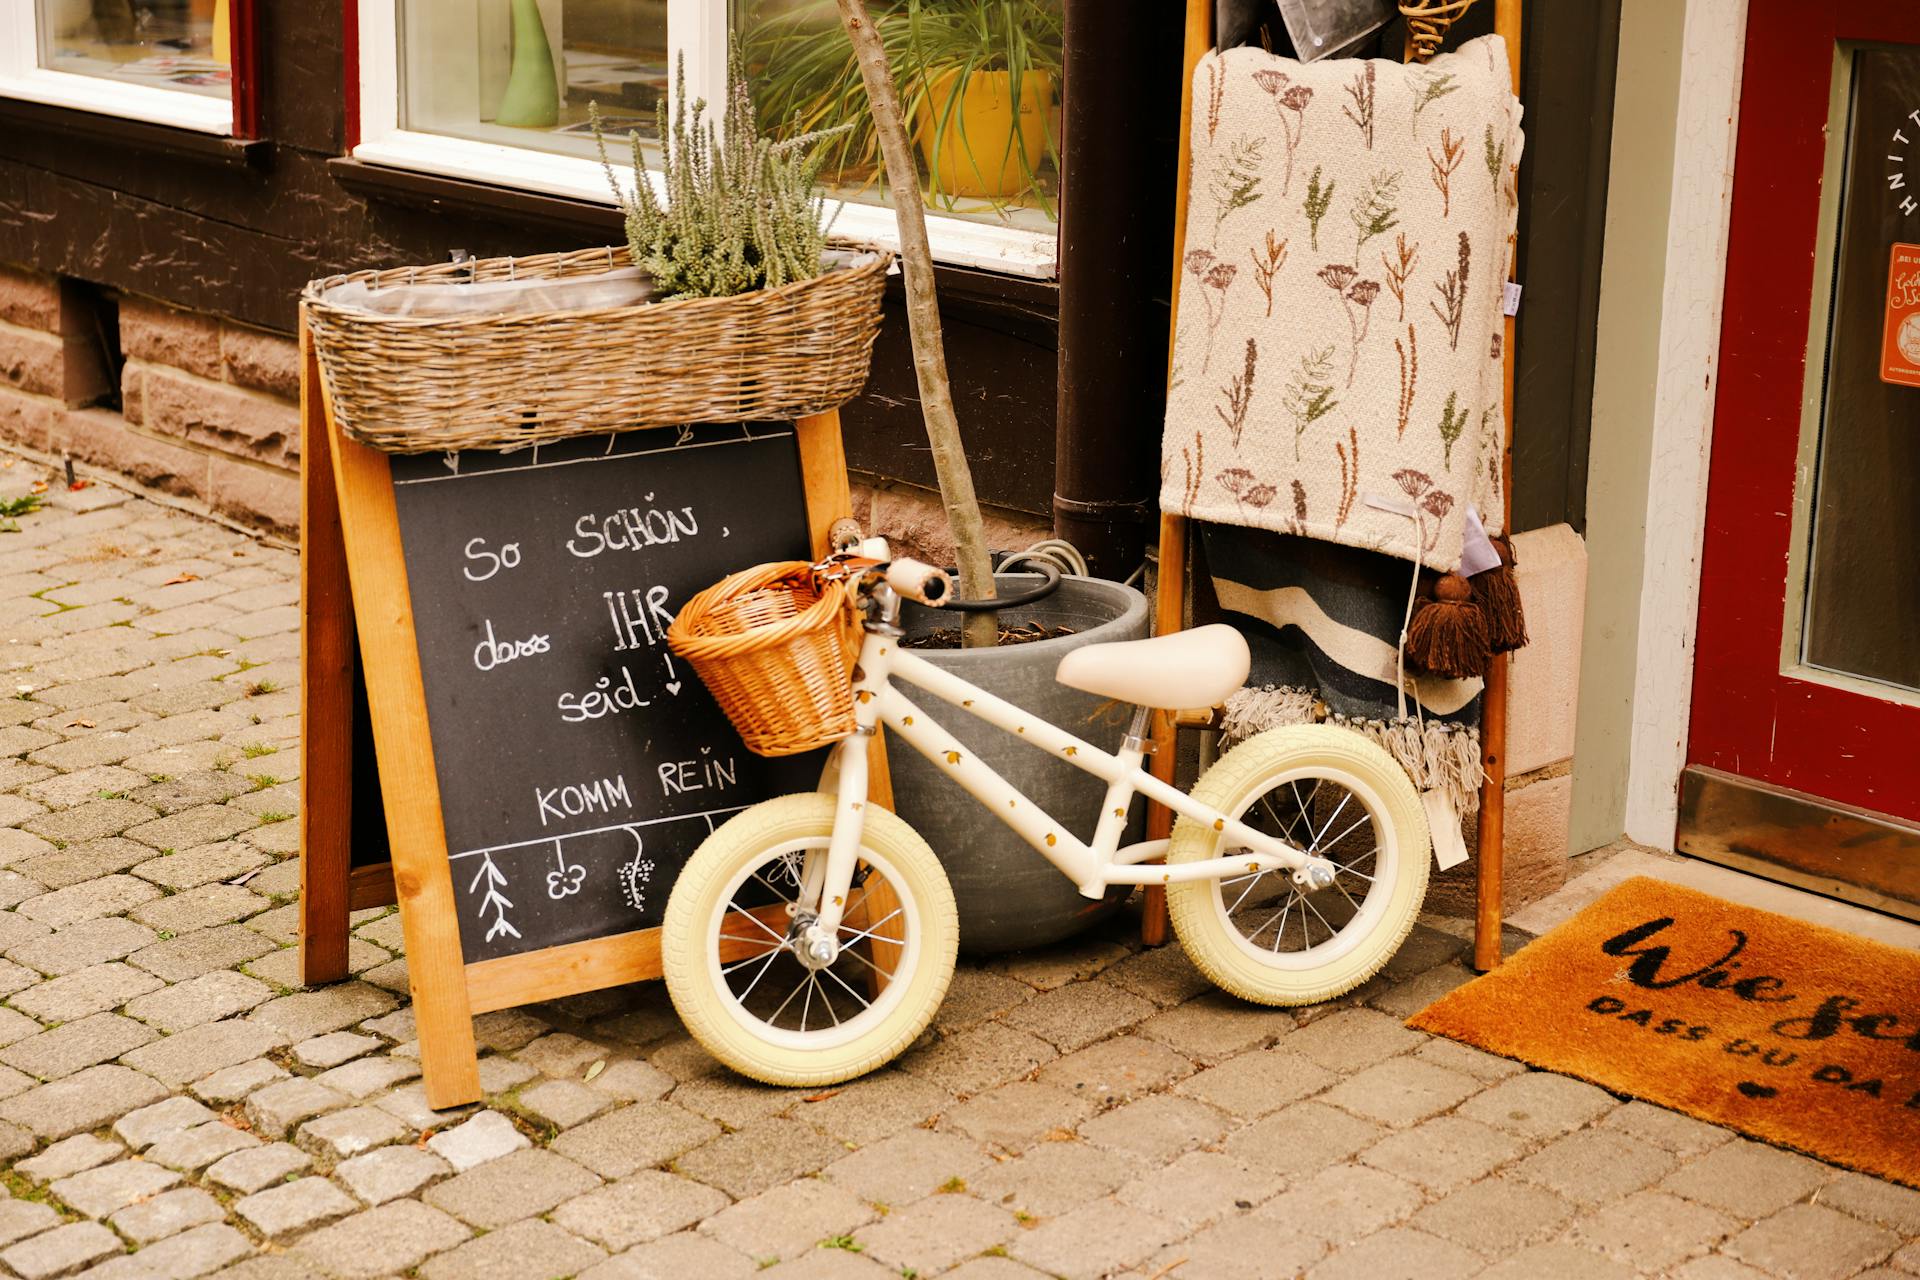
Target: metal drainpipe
[(1119, 120)]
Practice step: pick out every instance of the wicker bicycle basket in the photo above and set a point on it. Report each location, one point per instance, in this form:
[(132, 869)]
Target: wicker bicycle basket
[(775, 647), (428, 383)]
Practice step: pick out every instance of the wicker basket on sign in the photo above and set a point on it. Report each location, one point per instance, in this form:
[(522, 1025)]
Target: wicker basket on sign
[(1427, 23), (775, 646), (425, 384)]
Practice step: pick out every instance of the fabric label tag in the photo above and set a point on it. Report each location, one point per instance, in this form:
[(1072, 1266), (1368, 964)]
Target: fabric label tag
[(1476, 548), (1510, 300), (1443, 823)]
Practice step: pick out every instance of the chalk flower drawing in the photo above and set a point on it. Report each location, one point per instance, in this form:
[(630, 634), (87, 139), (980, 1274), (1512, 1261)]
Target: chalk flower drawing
[(494, 900), (566, 878), (636, 874)]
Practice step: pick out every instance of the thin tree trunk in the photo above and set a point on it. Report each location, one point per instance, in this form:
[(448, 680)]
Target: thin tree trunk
[(923, 324)]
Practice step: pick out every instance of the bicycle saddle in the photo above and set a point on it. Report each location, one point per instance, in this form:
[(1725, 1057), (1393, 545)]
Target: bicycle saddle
[(1186, 669)]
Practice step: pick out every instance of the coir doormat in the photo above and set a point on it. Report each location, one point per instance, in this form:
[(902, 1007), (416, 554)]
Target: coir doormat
[(1791, 1033)]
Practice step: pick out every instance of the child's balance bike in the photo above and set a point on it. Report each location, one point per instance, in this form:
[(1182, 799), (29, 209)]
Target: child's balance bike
[(811, 937)]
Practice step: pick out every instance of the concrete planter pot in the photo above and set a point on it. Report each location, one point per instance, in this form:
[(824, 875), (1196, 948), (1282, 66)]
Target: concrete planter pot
[(1009, 896)]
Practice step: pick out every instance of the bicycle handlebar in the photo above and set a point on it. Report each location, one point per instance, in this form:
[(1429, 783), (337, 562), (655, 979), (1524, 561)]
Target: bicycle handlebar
[(917, 581)]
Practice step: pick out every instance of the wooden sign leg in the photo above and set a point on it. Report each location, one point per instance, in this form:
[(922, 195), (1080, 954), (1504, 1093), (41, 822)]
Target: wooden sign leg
[(422, 875), (326, 697)]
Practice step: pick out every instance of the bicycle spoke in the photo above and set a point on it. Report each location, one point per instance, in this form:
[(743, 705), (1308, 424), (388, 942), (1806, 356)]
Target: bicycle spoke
[(758, 923), (771, 957), (864, 1002), (737, 964), (807, 1004), (885, 973), (1331, 931), (775, 891), (1244, 892), (1314, 848), (1357, 823), (872, 928), (783, 1006)]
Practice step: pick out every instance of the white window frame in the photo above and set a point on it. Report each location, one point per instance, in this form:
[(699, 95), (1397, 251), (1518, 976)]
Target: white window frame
[(22, 77), (703, 25)]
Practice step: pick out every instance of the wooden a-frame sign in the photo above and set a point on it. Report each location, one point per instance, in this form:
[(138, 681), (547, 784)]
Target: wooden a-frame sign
[(357, 612)]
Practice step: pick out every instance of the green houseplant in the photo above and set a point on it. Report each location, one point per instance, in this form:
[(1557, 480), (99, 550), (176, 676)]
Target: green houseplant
[(977, 81)]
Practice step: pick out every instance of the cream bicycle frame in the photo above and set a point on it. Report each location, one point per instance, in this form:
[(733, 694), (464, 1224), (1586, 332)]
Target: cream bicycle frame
[(1092, 867)]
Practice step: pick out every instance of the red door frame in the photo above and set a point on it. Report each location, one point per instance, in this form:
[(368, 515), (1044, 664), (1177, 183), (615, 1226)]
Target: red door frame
[(1748, 718)]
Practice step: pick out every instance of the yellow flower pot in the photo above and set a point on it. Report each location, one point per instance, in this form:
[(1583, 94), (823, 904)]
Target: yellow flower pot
[(969, 139)]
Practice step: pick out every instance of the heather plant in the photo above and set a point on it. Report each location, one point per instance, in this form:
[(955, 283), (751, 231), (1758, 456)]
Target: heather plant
[(740, 211)]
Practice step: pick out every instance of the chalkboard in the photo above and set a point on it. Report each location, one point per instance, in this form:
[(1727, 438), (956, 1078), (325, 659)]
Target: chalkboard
[(579, 764)]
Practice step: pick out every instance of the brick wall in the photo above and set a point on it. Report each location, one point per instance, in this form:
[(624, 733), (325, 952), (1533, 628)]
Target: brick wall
[(210, 409)]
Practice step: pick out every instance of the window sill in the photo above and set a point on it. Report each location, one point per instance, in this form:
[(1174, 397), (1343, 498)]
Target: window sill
[(188, 144)]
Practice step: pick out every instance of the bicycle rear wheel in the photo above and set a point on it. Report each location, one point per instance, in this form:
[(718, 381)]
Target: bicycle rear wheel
[(1327, 791)]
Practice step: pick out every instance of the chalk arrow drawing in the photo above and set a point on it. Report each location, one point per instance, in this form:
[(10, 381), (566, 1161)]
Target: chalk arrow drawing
[(494, 901)]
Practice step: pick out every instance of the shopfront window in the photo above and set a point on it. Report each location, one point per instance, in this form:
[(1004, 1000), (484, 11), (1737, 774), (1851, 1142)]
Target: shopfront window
[(506, 99), (184, 45)]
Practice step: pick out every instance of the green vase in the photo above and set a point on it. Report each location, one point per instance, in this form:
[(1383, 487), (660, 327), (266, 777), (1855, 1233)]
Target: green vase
[(532, 99)]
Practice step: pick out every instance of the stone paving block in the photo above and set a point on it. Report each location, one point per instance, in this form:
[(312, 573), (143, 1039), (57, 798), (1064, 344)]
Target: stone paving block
[(61, 1252), (311, 1013), (190, 790), (167, 1215), (1216, 1027), (391, 1172), (1238, 1248), (1401, 1091), (1445, 1152), (644, 1207), (22, 1218), (1496, 1216), (1074, 1016), (1053, 1178), (524, 1251), (1668, 1130), (1594, 1166), (70, 1156), (199, 908), (141, 1129), (16, 889), (789, 1220), (1056, 966), (192, 828), (564, 1103), (15, 1141), (200, 1051), (190, 1254), (505, 1030), (1539, 1105), (513, 1187), (684, 1058), (1652, 1231), (259, 1167), (333, 1049), (1156, 1128), (86, 1100), (107, 896), (732, 1100), (191, 1150), (1353, 1039), (74, 1046), (1199, 1188), (635, 1137), (561, 1055), (1344, 1203), (367, 1076), (762, 1154), (487, 1137), (277, 1108), (977, 1059), (292, 1207), (1259, 1083), (230, 1084), (1871, 1200), (16, 1026), (93, 820), (1812, 1242), (202, 865), (1092, 1241), (1016, 1115), (95, 989), (974, 995), (633, 1080), (16, 844), (197, 1001), (1303, 1138), (1116, 1070), (937, 1233), (75, 947), (907, 1166), (15, 978), (340, 1135), (409, 1103), (676, 1257), (1561, 1261), (202, 951), (1163, 975), (1402, 1251), (100, 1191), (77, 863)]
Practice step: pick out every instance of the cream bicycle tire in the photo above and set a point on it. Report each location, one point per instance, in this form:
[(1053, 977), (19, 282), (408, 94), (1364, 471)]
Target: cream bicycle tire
[(1205, 927), (703, 893)]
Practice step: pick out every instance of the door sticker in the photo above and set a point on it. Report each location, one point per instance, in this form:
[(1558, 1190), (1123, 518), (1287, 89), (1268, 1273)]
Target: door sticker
[(1900, 348)]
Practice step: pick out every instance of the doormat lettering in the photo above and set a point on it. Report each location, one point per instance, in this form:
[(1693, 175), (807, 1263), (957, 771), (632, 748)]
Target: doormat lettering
[(1795, 1034)]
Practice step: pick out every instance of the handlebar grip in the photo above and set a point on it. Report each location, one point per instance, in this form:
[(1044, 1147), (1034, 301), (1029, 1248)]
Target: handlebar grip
[(916, 581)]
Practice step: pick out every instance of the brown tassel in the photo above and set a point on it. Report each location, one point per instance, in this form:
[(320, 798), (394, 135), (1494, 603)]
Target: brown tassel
[(1448, 634), (1498, 591)]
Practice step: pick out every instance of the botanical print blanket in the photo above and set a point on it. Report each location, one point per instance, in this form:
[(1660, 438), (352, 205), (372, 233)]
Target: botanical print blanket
[(1337, 365)]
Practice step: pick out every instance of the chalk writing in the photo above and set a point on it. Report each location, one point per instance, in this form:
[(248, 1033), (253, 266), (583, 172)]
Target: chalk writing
[(638, 614), (631, 529), (488, 562), (574, 799), (604, 699), (490, 653), (677, 777)]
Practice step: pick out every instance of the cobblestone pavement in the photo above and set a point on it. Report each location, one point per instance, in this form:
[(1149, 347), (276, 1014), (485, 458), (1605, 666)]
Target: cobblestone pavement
[(172, 1104)]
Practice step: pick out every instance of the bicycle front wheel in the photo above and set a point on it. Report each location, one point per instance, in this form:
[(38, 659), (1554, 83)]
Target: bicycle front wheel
[(746, 993), (1327, 791)]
